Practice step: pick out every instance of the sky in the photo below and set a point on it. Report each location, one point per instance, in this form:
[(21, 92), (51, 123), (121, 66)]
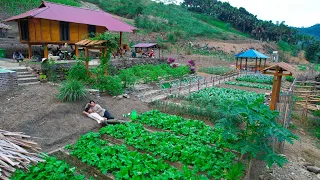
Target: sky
[(295, 13)]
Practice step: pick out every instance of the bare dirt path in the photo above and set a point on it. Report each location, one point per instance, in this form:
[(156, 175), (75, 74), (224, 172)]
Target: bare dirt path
[(35, 111)]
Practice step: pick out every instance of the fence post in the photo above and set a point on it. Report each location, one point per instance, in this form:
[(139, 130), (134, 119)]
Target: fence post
[(198, 84)]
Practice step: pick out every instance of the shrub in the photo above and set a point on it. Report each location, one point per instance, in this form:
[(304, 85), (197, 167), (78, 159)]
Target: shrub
[(78, 72), (110, 84), (72, 90), (127, 77), (289, 78)]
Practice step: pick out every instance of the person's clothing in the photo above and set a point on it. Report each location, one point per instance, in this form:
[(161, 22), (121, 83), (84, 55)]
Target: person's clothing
[(18, 56), (98, 109), (107, 115)]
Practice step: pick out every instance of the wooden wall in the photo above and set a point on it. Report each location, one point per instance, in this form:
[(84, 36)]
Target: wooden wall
[(48, 31)]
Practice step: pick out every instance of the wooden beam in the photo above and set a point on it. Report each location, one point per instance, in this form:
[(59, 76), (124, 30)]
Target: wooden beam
[(29, 51)]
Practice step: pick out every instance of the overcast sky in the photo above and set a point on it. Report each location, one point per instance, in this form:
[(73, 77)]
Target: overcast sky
[(294, 12)]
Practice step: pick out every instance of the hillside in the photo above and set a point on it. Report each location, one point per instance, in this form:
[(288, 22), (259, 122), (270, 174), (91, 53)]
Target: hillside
[(175, 21), (311, 31)]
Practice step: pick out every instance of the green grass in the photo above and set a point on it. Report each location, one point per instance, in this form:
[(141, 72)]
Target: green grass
[(20, 6), (286, 47), (302, 67), (217, 70)]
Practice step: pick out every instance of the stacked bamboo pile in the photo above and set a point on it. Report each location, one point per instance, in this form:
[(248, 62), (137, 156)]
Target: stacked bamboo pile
[(16, 152)]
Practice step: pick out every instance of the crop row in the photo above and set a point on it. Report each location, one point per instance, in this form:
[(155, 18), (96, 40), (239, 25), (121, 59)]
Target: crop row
[(178, 125), (256, 78), (123, 163), (51, 168), (185, 149), (244, 84)]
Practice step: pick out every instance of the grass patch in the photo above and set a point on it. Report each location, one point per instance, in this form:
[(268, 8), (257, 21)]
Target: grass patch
[(302, 67), (217, 70)]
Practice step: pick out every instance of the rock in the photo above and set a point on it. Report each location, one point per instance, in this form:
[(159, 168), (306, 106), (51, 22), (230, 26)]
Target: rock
[(318, 176), (308, 164), (261, 177), (120, 97), (126, 96), (313, 169)]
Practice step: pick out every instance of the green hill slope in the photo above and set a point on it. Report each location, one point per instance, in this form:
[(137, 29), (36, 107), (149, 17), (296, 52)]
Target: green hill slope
[(311, 31)]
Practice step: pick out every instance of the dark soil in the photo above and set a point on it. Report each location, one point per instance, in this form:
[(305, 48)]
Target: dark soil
[(35, 111)]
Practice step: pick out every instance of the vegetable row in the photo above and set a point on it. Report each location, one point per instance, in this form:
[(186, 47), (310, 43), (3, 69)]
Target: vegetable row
[(213, 161), (244, 84)]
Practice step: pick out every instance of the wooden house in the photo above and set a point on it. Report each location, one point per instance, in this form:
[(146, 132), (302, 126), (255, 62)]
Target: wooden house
[(59, 24)]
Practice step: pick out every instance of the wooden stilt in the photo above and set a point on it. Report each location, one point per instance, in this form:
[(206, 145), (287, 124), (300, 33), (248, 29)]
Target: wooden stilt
[(120, 41), (29, 51), (45, 51), (86, 53), (240, 64), (265, 63), (77, 51)]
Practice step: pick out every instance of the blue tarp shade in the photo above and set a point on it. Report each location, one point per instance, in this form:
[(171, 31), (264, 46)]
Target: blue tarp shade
[(252, 54)]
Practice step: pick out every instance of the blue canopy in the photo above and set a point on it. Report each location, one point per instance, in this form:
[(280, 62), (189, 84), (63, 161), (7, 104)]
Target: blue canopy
[(252, 54)]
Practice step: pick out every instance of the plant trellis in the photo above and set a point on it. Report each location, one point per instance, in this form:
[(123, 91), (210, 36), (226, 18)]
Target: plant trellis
[(16, 151)]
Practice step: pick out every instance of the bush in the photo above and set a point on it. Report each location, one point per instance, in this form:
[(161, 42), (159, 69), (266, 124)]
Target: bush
[(289, 78), (78, 72), (127, 77), (110, 84), (72, 91)]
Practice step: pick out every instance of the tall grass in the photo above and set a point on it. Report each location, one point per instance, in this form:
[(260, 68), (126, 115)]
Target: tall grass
[(72, 90)]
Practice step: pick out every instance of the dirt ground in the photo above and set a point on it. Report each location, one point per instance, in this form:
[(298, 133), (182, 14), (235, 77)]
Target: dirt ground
[(302, 153), (35, 111)]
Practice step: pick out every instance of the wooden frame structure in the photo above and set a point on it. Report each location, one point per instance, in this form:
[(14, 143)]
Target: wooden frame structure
[(147, 46), (277, 70), (251, 54)]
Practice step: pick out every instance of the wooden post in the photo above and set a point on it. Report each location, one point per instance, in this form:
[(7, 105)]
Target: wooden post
[(86, 54), (260, 64), (246, 64), (29, 51), (159, 53), (275, 89), (240, 63), (236, 62), (265, 63), (256, 65), (45, 51), (77, 51), (120, 42)]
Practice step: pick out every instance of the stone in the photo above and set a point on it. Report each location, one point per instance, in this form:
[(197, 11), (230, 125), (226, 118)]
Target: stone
[(313, 169), (308, 164), (126, 96), (261, 177), (120, 97), (318, 176)]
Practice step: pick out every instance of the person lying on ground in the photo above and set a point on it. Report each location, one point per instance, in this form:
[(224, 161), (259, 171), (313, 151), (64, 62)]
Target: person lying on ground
[(92, 107)]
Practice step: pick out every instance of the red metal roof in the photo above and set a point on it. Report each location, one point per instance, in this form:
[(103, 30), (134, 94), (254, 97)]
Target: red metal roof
[(59, 12)]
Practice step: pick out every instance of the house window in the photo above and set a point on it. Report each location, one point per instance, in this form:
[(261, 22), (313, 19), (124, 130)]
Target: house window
[(64, 31), (92, 30), (24, 29)]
